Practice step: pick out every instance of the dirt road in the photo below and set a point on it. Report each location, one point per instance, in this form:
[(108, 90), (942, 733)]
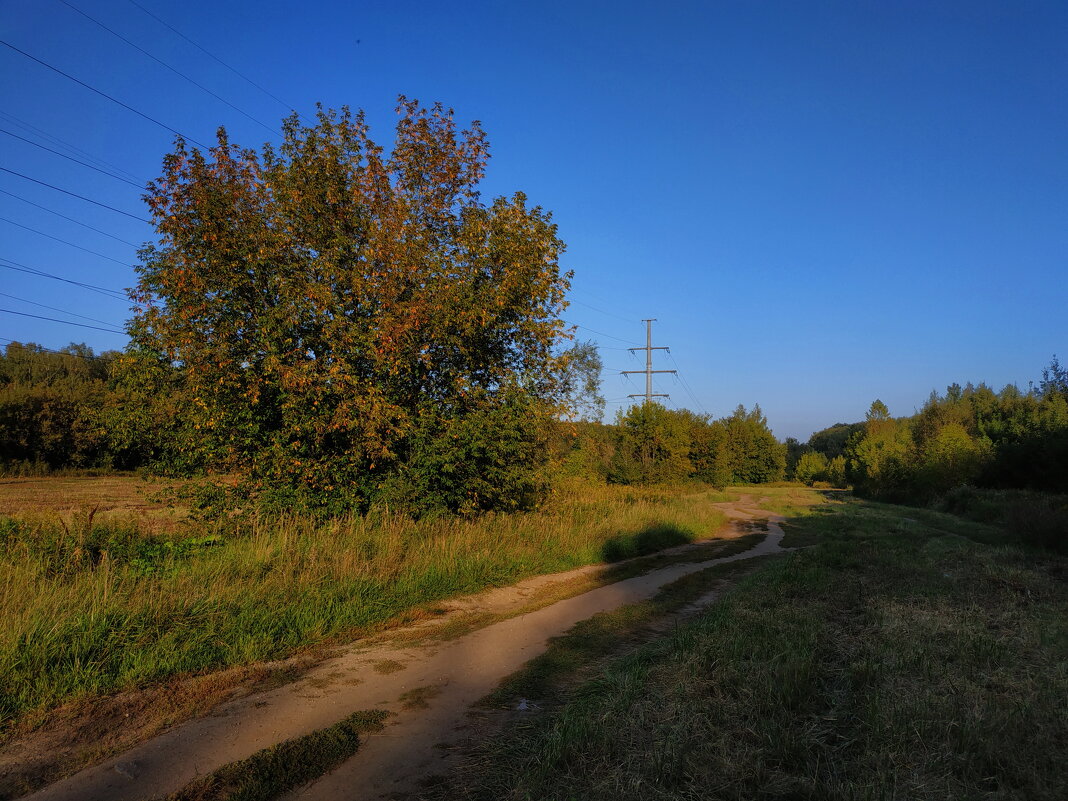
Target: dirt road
[(448, 677)]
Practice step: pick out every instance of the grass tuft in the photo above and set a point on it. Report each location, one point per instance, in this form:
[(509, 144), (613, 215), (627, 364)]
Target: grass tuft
[(273, 771)]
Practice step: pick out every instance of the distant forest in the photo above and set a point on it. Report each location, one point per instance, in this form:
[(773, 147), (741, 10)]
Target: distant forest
[(969, 436)]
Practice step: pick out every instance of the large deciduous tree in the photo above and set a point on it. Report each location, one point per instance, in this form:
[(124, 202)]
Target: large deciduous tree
[(349, 322)]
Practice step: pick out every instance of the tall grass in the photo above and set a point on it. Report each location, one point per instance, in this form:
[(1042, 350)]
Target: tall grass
[(89, 607)]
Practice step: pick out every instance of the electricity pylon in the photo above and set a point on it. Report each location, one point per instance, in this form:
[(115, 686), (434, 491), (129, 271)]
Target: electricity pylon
[(649, 394)]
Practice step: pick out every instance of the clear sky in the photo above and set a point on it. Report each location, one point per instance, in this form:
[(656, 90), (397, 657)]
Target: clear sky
[(820, 202)]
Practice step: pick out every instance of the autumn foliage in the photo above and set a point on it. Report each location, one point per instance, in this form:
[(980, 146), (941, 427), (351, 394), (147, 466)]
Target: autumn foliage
[(351, 324)]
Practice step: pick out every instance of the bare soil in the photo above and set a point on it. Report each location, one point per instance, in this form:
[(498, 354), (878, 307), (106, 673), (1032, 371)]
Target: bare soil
[(428, 677)]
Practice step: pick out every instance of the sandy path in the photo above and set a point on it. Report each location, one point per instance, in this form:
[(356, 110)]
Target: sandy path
[(455, 674)]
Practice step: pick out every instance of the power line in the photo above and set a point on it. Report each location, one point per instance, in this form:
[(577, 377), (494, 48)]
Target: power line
[(105, 95), (601, 333), (606, 302), (603, 311), (288, 106), (71, 158), (54, 308), (30, 128), (685, 385), (168, 66), (75, 194), (65, 217), (65, 322), (64, 241), (114, 294)]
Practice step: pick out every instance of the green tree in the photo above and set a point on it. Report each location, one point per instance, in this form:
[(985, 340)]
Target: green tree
[(836, 471), (653, 446), (950, 458), (708, 449), (811, 467), (580, 380), (754, 455), (831, 442), (52, 407), (881, 457), (1054, 379), (338, 315), (794, 451)]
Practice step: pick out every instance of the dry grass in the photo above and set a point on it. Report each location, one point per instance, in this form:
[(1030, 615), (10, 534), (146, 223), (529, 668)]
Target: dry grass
[(120, 496)]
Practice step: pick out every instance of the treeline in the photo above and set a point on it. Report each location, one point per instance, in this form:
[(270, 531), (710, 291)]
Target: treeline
[(74, 409), (652, 444), (969, 435), (57, 409), (999, 457)]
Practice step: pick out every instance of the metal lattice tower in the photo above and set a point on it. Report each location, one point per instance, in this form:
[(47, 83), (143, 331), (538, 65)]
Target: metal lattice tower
[(648, 371)]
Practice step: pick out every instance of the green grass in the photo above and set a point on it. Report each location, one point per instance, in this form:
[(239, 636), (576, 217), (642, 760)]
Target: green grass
[(90, 607), (907, 655), (547, 676), (273, 771)]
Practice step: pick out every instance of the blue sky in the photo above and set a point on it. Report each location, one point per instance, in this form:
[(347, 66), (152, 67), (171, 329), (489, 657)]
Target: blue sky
[(821, 203)]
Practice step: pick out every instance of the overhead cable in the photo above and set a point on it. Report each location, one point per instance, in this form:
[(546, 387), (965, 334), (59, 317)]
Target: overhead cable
[(65, 322), (600, 333), (31, 128), (604, 311), (65, 217), (71, 158), (75, 194), (686, 386), (54, 308), (65, 242), (208, 53), (104, 94), (177, 72), (114, 294)]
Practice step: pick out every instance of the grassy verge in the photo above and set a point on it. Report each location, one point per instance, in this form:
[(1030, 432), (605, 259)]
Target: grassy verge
[(548, 676), (908, 654), (90, 607), (273, 771)]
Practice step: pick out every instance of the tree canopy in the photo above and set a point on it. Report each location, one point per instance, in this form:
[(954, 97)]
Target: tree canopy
[(337, 312)]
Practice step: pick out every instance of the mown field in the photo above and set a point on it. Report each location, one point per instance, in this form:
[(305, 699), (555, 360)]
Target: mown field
[(103, 587), (906, 654)]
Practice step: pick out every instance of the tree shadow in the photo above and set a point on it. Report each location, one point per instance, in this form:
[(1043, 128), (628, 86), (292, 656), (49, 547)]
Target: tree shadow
[(652, 538)]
